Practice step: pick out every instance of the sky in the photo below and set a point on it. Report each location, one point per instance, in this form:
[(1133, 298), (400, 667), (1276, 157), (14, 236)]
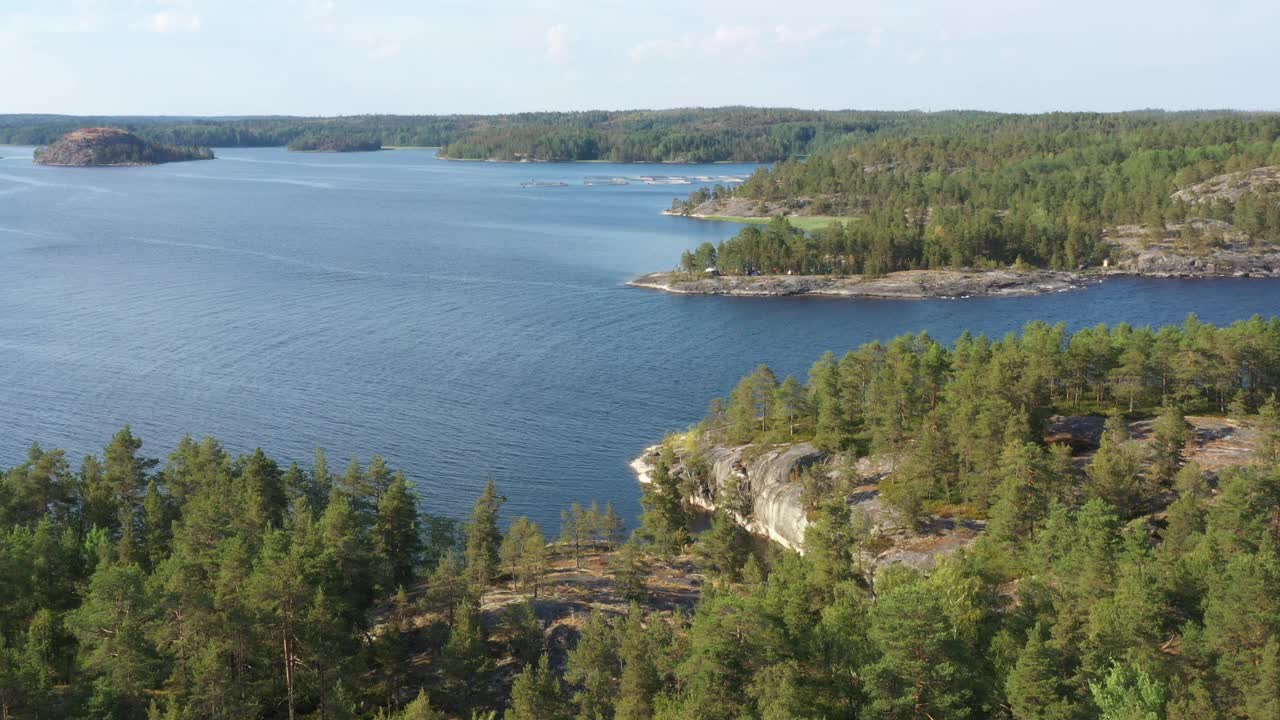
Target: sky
[(335, 57)]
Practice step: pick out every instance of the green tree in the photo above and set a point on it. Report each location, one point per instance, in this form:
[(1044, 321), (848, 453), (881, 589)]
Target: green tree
[(538, 694), (397, 533), (483, 536), (1170, 433), (594, 668), (639, 651), (1034, 687), (724, 547), (1128, 693), (923, 669), (630, 569)]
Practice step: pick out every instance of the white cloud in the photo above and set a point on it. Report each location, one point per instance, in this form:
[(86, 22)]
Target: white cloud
[(875, 38), (663, 49), (787, 35), (558, 42), (171, 21), (729, 37)]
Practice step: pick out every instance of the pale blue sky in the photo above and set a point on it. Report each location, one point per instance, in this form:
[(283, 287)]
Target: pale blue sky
[(312, 57)]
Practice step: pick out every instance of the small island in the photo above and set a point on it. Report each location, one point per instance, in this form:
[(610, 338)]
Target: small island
[(335, 143), (113, 147)]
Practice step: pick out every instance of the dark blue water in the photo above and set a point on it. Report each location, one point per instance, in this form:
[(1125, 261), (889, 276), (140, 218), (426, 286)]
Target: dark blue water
[(435, 312)]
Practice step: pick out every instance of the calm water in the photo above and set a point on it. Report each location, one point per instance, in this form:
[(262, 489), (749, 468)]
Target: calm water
[(435, 312)]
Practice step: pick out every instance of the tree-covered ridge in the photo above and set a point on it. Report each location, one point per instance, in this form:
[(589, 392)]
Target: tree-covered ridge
[(1043, 188), (1125, 584), (334, 143)]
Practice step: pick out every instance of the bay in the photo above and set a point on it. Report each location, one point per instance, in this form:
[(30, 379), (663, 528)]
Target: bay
[(437, 312)]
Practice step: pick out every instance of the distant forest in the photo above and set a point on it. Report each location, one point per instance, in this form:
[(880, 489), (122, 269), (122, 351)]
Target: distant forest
[(973, 191), (681, 135)]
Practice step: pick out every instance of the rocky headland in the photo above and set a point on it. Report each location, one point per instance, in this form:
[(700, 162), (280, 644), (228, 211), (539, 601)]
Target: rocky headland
[(904, 285), (113, 147)]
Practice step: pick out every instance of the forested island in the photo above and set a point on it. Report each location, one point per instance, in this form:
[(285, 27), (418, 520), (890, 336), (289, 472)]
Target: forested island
[(1149, 194), (1047, 525), (335, 143), (105, 146), (888, 145)]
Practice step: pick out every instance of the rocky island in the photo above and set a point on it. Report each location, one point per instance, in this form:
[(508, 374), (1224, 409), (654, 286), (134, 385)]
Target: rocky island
[(113, 147), (335, 143)]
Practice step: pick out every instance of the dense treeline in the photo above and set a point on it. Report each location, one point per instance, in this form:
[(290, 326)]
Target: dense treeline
[(1079, 601), (687, 135), (389, 130), (334, 143), (684, 135), (215, 586), (995, 189), (954, 411)]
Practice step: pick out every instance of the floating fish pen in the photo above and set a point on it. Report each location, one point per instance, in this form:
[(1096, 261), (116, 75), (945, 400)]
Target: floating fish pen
[(602, 180), (543, 184)]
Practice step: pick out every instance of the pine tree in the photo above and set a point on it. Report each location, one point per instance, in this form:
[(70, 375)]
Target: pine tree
[(1266, 449), (465, 655), (615, 530), (1170, 433), (396, 533), (1262, 701), (571, 531), (525, 638), (420, 709), (594, 667), (1034, 687), (724, 547), (1115, 475), (922, 670), (538, 694), (630, 571), (263, 481), (483, 536), (155, 526), (639, 649), (123, 470)]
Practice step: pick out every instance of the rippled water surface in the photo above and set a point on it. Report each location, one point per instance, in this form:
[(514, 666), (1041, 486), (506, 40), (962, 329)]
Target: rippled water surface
[(435, 312)]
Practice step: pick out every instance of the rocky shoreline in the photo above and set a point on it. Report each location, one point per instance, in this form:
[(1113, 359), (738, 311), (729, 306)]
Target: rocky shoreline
[(904, 285)]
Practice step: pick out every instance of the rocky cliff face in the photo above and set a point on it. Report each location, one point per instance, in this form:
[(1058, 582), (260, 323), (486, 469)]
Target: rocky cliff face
[(770, 477), (112, 147)]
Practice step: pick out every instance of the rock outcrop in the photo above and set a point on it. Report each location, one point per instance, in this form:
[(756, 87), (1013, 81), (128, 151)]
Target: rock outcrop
[(1226, 252), (905, 285), (770, 476), (1232, 186), (104, 146)]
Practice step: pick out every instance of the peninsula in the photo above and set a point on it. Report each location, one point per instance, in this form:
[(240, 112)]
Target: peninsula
[(113, 147)]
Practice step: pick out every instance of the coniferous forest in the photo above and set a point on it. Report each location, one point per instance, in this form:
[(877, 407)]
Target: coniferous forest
[(1128, 582), (995, 190)]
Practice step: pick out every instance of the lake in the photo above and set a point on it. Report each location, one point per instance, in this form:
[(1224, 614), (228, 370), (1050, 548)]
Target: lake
[(437, 312)]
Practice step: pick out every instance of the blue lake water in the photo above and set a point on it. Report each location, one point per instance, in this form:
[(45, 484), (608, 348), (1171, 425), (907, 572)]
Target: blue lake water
[(435, 312)]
